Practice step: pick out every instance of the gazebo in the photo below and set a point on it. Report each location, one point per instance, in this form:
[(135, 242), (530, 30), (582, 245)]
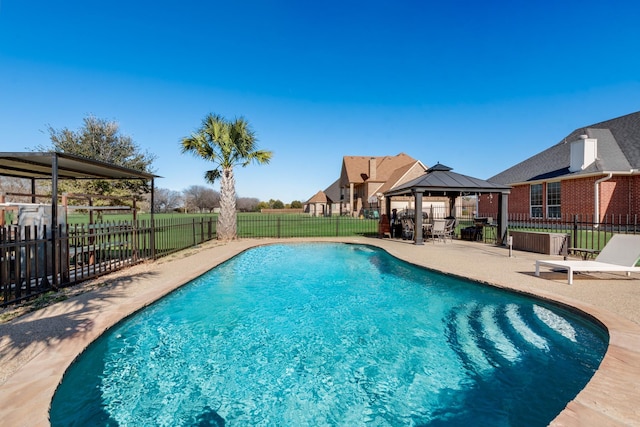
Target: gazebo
[(439, 180)]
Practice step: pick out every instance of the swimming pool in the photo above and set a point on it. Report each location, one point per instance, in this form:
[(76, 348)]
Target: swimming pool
[(332, 334)]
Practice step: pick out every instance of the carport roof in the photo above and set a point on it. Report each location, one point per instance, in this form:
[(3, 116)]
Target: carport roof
[(440, 180), (40, 165)]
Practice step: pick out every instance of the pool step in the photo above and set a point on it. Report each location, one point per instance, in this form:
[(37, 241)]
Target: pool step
[(463, 338), (555, 322), (493, 336), (516, 320)]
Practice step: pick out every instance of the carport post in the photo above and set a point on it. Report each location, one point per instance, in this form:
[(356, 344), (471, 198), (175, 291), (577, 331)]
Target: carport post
[(152, 236), (54, 220)]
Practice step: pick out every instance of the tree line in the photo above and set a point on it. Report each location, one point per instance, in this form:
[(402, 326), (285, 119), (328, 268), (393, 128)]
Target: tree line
[(202, 199)]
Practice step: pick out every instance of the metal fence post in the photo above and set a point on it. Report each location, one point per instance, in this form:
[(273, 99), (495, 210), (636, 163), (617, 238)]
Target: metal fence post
[(575, 231)]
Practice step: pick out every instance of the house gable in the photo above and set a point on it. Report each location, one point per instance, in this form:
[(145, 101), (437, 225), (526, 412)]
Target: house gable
[(599, 178), (618, 149), (357, 169)]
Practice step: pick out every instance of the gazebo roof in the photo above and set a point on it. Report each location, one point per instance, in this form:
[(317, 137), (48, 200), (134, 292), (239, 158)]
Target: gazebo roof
[(440, 180)]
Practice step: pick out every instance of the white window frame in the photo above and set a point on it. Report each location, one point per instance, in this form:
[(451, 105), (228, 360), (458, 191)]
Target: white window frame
[(537, 207), (554, 205)]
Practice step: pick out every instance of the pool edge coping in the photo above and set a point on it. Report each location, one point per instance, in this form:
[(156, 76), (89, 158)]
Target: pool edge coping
[(607, 399)]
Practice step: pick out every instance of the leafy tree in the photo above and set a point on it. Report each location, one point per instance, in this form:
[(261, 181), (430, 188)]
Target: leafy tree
[(276, 204), (99, 139), (226, 144), (262, 205), (296, 204)]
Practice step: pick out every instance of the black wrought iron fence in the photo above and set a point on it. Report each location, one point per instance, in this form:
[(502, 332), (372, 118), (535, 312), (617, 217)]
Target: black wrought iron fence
[(292, 225), (584, 231), (85, 251), (29, 265)]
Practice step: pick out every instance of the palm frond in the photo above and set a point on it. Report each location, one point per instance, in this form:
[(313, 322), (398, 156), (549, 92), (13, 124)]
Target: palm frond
[(212, 175)]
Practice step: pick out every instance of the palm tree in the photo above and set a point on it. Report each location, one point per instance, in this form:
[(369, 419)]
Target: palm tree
[(225, 144)]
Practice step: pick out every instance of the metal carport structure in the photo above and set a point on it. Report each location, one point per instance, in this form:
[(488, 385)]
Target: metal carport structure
[(439, 180), (55, 166)]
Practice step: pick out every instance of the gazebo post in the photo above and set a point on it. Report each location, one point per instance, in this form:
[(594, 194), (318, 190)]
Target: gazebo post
[(503, 217), (417, 229), (452, 205), (387, 207)]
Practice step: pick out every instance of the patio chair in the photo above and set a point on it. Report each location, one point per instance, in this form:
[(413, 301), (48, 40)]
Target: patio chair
[(450, 227), (407, 228), (439, 230), (620, 254)]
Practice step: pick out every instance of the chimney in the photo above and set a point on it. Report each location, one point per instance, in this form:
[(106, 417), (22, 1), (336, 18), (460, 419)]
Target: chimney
[(372, 169), (583, 153)]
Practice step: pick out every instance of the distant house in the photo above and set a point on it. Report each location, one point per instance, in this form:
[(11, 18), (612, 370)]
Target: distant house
[(326, 202), (364, 179), (318, 205), (593, 172)]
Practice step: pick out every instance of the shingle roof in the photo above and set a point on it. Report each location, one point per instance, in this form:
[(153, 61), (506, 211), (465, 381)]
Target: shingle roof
[(440, 179), (618, 150), (319, 197), (333, 191), (397, 175), (353, 167)]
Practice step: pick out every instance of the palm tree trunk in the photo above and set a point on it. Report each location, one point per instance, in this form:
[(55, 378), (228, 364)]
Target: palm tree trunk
[(227, 226)]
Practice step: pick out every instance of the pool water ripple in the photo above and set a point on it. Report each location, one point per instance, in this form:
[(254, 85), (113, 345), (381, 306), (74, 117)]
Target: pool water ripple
[(332, 334)]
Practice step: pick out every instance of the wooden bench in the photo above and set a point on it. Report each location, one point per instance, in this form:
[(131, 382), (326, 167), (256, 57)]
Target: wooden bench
[(540, 242)]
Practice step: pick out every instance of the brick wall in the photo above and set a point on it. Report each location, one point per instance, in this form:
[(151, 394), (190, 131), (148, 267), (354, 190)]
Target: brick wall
[(487, 206), (577, 196), (518, 202), (614, 197), (634, 189), (618, 196)]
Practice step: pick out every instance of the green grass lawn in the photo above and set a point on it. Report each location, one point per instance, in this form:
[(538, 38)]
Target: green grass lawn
[(254, 224)]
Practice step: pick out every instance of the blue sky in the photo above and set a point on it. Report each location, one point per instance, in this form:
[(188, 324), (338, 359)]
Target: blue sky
[(478, 86)]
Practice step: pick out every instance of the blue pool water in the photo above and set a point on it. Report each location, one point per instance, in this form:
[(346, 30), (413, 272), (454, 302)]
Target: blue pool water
[(332, 335)]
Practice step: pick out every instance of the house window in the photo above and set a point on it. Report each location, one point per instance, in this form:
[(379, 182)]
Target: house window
[(553, 200), (535, 200)]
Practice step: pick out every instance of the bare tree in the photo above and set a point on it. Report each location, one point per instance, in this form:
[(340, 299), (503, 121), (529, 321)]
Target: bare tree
[(210, 200), (247, 204), (166, 200), (15, 185), (201, 198)]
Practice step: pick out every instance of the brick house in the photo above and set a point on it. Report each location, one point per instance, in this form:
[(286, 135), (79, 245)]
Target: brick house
[(364, 179), (593, 172)]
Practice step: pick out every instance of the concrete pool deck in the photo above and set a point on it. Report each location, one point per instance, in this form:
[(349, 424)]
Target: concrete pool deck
[(37, 348)]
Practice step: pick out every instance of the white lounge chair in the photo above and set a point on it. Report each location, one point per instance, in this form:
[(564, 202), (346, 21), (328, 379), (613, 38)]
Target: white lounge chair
[(621, 253)]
